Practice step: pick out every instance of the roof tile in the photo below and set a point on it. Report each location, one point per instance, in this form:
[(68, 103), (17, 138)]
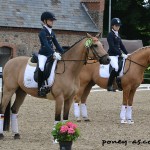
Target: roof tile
[(22, 13)]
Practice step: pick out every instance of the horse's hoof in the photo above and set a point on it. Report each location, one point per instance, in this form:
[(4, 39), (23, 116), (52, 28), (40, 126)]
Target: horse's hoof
[(55, 141), (86, 119), (123, 121), (129, 121), (17, 136), (1, 136), (111, 89)]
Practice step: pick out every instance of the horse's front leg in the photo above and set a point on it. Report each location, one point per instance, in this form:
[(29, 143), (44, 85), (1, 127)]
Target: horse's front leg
[(129, 107), (81, 96), (83, 102), (67, 105), (58, 108), (124, 105), (77, 100)]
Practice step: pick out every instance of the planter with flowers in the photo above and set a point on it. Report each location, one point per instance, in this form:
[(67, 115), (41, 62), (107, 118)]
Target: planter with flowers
[(65, 133)]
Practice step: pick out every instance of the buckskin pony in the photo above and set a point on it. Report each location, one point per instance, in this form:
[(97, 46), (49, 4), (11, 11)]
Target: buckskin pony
[(62, 91), (135, 65)]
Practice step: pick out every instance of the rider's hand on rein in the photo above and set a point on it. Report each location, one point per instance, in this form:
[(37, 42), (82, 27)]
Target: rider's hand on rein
[(124, 56), (57, 56)]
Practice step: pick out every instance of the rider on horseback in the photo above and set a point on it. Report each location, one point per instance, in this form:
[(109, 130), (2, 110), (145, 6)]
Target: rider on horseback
[(47, 39), (115, 50)]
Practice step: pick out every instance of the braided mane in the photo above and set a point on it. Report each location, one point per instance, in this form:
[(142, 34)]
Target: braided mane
[(141, 49)]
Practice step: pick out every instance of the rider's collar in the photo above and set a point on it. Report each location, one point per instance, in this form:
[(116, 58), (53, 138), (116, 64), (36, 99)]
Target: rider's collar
[(49, 29), (116, 32)]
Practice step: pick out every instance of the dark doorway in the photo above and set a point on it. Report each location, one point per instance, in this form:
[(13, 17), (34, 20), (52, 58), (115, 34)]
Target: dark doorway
[(5, 55)]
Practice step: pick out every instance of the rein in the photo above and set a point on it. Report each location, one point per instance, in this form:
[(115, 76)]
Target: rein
[(85, 61), (131, 61), (76, 59), (137, 63)]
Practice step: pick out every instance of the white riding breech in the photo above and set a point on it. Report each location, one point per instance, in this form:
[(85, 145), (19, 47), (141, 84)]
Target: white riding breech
[(42, 60), (114, 62)]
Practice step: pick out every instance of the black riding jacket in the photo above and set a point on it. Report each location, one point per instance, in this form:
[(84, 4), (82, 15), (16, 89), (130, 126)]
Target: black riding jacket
[(116, 46), (47, 40)]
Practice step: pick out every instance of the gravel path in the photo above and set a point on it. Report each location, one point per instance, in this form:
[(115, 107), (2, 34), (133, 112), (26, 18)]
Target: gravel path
[(36, 121)]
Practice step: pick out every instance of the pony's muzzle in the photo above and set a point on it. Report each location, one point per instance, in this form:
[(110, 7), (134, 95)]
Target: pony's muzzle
[(105, 59)]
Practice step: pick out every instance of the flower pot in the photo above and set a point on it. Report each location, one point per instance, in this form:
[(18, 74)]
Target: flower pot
[(65, 145)]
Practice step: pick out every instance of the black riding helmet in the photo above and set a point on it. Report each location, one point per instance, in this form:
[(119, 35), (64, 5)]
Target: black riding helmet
[(47, 15), (116, 21)]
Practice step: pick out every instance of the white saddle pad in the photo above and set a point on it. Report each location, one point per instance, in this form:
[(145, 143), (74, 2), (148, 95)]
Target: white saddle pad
[(29, 81), (104, 70)]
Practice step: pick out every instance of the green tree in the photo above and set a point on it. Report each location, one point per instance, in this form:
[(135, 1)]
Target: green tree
[(134, 15)]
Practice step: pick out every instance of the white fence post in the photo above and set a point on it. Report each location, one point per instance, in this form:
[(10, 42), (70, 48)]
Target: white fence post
[(96, 88)]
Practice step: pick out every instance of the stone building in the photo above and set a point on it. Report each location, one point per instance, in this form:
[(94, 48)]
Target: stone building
[(20, 23)]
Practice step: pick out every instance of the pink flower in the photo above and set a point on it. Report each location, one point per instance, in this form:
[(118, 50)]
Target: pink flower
[(71, 130), (63, 129), (71, 125)]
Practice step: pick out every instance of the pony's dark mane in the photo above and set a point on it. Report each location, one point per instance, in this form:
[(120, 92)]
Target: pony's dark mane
[(74, 44), (77, 42)]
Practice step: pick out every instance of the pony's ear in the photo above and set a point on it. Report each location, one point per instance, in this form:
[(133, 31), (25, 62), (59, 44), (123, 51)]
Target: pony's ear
[(88, 35), (98, 35)]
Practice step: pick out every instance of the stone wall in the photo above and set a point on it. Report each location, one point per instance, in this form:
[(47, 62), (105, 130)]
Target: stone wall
[(24, 42)]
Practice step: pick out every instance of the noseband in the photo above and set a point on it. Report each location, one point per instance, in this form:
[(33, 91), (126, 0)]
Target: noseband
[(89, 45), (96, 54)]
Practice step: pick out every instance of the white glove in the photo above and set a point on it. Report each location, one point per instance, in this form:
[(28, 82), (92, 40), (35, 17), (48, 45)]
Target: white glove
[(124, 55), (57, 56)]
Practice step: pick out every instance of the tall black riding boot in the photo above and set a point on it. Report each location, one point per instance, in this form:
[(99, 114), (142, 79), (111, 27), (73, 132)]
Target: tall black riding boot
[(111, 80), (41, 91)]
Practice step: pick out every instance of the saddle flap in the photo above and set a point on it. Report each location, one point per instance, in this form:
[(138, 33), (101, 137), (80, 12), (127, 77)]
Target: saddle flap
[(104, 70), (120, 65), (47, 69), (29, 80)]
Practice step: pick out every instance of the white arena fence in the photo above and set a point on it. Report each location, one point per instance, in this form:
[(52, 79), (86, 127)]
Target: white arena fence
[(0, 79), (140, 88)]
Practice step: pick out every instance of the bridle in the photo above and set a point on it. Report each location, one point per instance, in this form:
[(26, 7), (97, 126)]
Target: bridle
[(96, 54), (88, 48)]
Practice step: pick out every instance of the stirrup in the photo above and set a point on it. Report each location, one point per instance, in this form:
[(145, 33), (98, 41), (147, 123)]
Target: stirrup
[(42, 92), (110, 88), (55, 141)]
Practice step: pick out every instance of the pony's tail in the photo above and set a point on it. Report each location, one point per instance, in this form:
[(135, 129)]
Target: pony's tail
[(7, 111)]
